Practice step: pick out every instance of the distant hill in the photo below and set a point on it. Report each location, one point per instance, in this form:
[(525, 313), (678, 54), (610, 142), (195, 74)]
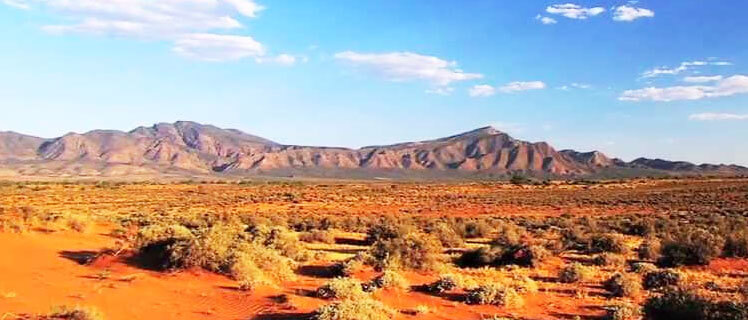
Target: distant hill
[(189, 148)]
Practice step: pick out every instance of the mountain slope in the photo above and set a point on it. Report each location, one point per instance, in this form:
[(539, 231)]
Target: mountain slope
[(191, 148)]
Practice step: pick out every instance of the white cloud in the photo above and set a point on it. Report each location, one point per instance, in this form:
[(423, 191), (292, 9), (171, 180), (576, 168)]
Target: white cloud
[(574, 11), (407, 66), (672, 71), (684, 66), (717, 116), (482, 90), (18, 4), (197, 28), (282, 59), (629, 13), (726, 87), (522, 86), (545, 20), (214, 47), (442, 91), (581, 85), (702, 79)]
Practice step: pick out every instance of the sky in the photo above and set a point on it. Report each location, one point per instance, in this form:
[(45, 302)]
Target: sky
[(661, 79)]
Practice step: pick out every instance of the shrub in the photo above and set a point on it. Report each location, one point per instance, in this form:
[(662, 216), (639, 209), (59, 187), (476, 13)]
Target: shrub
[(494, 294), (317, 236), (736, 245), (649, 249), (521, 255), (622, 285), (473, 229), (643, 267), (348, 267), (78, 223), (445, 234), (674, 304), (359, 309), (74, 313), (607, 243), (574, 272), (478, 257), (681, 304), (410, 251), (694, 248), (341, 288), (622, 311), (659, 279), (743, 289), (390, 279), (608, 259), (386, 230), (443, 284)]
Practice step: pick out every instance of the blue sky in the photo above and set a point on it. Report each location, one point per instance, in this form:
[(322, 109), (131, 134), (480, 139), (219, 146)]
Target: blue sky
[(647, 78)]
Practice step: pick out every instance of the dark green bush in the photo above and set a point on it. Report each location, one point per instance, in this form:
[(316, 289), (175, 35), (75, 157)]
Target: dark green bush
[(660, 278)]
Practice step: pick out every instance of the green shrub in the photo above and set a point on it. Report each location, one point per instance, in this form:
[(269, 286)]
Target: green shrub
[(660, 279), (494, 294), (391, 279), (684, 305), (415, 251), (691, 247), (736, 245), (613, 243), (622, 311), (574, 272), (441, 285), (622, 285), (341, 288), (609, 259), (649, 250), (359, 309)]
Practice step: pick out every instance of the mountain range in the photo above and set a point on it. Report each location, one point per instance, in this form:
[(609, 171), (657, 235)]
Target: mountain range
[(192, 149)]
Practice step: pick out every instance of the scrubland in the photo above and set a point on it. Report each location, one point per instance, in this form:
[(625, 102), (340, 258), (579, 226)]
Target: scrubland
[(652, 249)]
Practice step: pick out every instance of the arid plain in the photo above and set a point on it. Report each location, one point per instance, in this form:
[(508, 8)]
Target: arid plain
[(329, 250)]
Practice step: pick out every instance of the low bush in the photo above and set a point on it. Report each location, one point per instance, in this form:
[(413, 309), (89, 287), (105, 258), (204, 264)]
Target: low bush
[(317, 236), (494, 294), (415, 251), (520, 255), (391, 279), (341, 288), (359, 309), (691, 247), (685, 305), (609, 260), (661, 278), (443, 284), (613, 243), (574, 272), (473, 229), (74, 313), (622, 285), (649, 250), (622, 311), (445, 234), (736, 245)]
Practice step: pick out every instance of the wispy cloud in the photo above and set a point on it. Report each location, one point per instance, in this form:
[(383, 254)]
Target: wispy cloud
[(574, 11), (442, 91), (407, 66), (518, 86), (684, 66), (545, 20), (628, 13), (733, 85), (198, 29), (702, 79), (482, 90), (18, 4), (717, 116)]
